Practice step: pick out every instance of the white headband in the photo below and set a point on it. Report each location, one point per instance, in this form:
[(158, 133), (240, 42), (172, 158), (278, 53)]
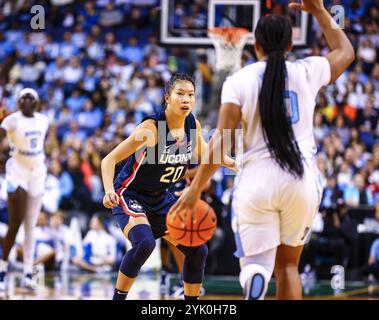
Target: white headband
[(28, 91)]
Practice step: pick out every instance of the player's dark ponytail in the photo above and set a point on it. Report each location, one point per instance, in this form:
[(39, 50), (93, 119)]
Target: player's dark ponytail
[(274, 34)]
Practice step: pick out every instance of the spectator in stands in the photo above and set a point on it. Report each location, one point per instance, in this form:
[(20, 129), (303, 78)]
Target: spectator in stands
[(80, 197), (67, 48), (342, 129), (94, 50), (89, 119), (60, 234), (332, 196), (367, 121), (99, 248), (373, 261), (52, 193), (111, 16), (25, 47), (72, 73), (44, 247), (356, 194), (111, 45), (133, 52)]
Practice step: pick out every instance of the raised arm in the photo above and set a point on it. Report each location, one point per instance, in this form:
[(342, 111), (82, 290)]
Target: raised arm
[(342, 52), (144, 135)]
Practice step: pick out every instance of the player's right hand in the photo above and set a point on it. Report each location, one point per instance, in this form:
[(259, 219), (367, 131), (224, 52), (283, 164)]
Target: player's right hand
[(310, 6), (111, 200)]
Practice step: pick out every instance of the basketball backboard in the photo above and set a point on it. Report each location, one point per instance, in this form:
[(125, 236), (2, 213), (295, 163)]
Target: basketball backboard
[(186, 22)]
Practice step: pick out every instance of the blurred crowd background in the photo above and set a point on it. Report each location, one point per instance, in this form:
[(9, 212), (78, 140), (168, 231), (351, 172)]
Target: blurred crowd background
[(99, 70)]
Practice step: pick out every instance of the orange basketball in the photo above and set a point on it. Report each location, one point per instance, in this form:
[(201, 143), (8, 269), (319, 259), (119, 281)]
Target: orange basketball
[(193, 233)]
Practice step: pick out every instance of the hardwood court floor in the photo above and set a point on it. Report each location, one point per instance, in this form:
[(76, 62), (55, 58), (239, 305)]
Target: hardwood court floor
[(82, 286)]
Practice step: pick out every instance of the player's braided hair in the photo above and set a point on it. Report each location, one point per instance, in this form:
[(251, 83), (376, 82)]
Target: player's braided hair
[(274, 34), (178, 77)]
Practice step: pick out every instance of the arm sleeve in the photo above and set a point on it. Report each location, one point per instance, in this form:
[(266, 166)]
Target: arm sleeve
[(9, 124), (318, 72), (231, 91)]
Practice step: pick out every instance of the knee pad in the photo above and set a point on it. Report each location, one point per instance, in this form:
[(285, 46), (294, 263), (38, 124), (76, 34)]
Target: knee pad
[(143, 250), (254, 280), (197, 255), (143, 244), (194, 263)]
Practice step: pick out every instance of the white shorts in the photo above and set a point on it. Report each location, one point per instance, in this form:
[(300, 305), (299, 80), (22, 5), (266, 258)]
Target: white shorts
[(270, 207), (32, 180)]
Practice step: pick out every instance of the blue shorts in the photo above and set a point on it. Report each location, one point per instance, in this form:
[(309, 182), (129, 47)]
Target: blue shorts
[(154, 208)]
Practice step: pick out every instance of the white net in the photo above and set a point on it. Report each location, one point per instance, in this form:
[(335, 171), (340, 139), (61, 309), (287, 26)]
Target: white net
[(229, 44)]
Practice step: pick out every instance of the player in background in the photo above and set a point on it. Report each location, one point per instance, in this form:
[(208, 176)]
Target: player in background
[(25, 175), (157, 153), (277, 191)]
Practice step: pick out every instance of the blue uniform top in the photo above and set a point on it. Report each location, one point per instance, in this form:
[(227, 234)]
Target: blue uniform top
[(153, 170)]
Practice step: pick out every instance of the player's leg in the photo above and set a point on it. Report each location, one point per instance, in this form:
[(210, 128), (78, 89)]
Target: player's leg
[(164, 280), (299, 203), (139, 233), (256, 272), (178, 257), (178, 288), (33, 210), (193, 268), (166, 249), (288, 283), (16, 207)]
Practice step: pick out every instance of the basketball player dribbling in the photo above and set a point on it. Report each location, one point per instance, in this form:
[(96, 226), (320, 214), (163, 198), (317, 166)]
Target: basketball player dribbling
[(277, 190), (25, 175), (158, 153)]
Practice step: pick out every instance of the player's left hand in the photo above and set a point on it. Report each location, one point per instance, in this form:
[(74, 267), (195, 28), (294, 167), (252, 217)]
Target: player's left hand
[(185, 204)]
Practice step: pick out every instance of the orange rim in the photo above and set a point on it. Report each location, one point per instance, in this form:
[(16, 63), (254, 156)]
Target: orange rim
[(231, 35)]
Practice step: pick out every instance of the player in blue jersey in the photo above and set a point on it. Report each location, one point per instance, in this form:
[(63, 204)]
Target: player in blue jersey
[(157, 154)]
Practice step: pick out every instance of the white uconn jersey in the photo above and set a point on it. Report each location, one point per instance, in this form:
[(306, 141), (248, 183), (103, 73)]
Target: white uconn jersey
[(26, 137), (304, 80)]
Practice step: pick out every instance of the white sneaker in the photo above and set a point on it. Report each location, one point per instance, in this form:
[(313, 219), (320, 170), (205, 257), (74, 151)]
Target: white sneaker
[(27, 282)]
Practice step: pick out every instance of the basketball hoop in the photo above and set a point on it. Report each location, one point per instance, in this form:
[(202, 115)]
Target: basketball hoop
[(228, 43)]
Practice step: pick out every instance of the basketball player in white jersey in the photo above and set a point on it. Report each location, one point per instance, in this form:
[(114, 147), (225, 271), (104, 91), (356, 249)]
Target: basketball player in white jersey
[(277, 191), (25, 175)]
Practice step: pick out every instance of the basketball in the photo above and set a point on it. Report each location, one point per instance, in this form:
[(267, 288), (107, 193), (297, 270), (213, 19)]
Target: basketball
[(193, 233)]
